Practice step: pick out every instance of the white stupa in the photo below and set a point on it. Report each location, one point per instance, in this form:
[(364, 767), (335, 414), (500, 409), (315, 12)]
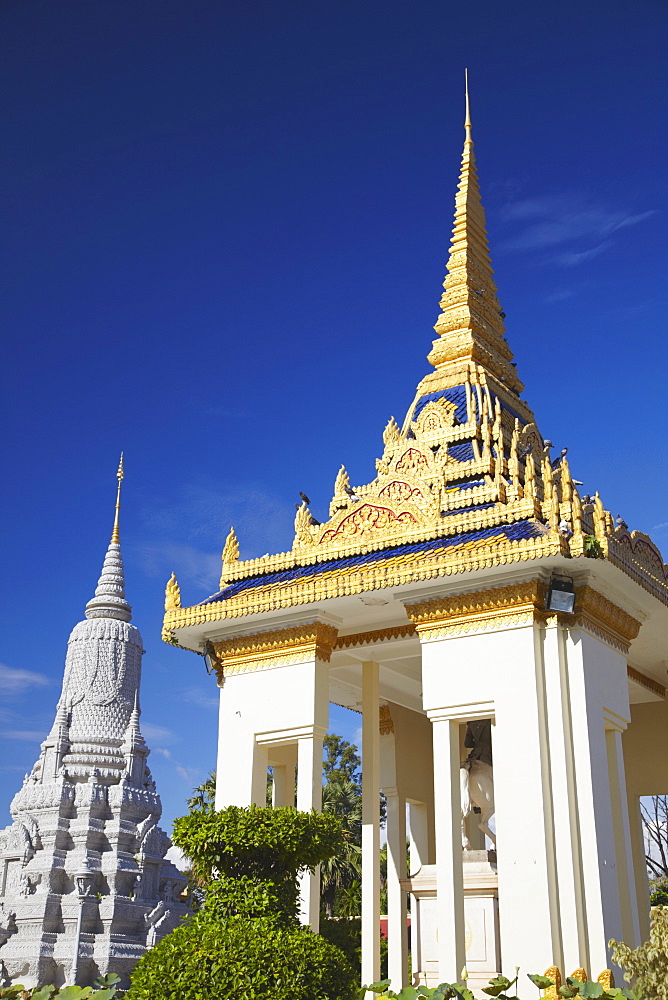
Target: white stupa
[(84, 884)]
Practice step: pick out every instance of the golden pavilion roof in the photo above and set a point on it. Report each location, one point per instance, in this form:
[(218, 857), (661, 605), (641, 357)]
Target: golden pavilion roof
[(467, 482)]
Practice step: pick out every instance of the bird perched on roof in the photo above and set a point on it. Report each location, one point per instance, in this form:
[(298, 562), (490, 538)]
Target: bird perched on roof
[(586, 498), (560, 457), (620, 522), (351, 493), (304, 498), (525, 450), (547, 443), (565, 528)]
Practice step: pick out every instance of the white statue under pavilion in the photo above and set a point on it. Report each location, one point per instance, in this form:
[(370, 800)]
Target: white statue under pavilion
[(468, 581), (84, 884)]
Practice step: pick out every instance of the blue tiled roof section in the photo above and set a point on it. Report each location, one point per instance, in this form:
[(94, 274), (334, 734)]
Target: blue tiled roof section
[(511, 532), (470, 484), (462, 452), (475, 506), (513, 413), (457, 394)]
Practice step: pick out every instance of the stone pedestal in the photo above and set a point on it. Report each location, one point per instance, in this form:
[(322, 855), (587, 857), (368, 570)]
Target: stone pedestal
[(481, 916)]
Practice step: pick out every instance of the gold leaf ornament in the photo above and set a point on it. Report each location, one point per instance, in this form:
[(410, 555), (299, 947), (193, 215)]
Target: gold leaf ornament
[(172, 594), (231, 548)]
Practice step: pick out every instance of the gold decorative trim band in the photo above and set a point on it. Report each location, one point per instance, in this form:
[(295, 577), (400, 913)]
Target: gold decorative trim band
[(501, 607), (379, 635), (272, 649), (645, 681), (609, 622)]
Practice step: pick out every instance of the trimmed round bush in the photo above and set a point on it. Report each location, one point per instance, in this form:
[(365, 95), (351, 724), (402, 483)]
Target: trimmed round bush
[(246, 943), (244, 959)]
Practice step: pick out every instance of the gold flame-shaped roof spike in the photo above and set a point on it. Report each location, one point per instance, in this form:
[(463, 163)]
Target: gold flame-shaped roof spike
[(470, 326)]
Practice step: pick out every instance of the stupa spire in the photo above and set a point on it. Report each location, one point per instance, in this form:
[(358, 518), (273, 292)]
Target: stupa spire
[(109, 600), (470, 326), (120, 475)]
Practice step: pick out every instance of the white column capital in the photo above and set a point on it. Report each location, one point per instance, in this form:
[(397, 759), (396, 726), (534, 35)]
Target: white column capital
[(614, 721), (462, 713)]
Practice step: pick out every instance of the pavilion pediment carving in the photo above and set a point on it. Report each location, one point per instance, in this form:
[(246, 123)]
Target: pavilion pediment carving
[(371, 519)]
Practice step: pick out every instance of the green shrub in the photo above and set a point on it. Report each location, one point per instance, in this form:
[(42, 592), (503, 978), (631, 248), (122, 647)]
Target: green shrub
[(242, 958), (246, 941), (648, 964)]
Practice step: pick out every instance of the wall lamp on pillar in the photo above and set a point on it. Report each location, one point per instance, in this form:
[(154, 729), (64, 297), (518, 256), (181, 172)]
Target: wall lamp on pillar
[(211, 661), (561, 595)]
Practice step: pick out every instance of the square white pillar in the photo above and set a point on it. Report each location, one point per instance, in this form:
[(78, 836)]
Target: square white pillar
[(449, 876), (370, 824), (397, 934), (622, 834), (309, 796)]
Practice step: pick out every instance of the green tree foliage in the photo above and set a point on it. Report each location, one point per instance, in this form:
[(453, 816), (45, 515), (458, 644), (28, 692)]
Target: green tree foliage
[(204, 796), (342, 872), (341, 762), (647, 966), (246, 941)]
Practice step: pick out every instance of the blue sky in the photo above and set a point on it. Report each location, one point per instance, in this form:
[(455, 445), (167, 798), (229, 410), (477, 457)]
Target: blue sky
[(226, 223)]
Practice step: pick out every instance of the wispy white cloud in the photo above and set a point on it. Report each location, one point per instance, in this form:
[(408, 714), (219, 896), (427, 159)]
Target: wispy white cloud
[(15, 681), (579, 224), (163, 752), (202, 698), (201, 515), (189, 774), (561, 295), (193, 566), (158, 734), (658, 527), (573, 257)]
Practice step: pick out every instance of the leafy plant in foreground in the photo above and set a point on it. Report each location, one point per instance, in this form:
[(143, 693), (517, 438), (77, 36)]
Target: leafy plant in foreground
[(107, 992), (648, 964), (498, 988)]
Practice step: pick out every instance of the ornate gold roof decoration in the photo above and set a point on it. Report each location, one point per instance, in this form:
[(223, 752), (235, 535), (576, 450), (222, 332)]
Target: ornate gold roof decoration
[(172, 594), (230, 555), (465, 483)]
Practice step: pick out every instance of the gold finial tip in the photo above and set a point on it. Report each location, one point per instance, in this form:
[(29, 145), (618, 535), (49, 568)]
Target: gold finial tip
[(467, 120)]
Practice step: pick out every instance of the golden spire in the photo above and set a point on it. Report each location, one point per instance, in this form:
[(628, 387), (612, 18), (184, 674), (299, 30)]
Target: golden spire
[(470, 327), (115, 534)]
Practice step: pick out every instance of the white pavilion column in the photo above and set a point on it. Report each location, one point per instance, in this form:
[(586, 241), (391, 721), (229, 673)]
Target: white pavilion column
[(449, 875), (370, 824), (597, 671), (622, 832), (397, 933), (309, 796)]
